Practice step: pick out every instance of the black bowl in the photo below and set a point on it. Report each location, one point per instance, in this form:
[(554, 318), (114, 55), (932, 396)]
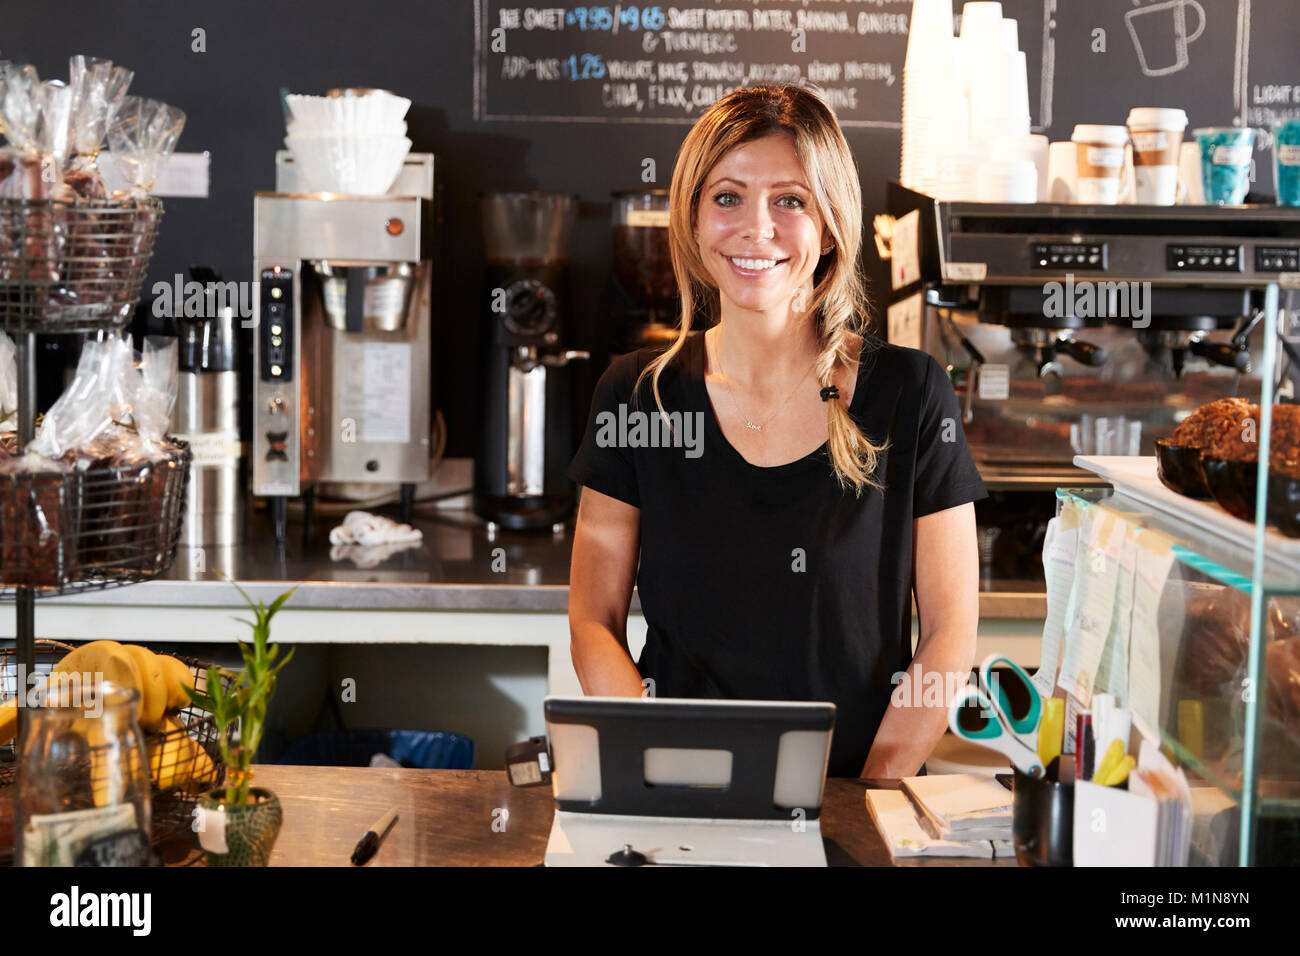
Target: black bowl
[(1179, 469), (1284, 504), (1231, 485)]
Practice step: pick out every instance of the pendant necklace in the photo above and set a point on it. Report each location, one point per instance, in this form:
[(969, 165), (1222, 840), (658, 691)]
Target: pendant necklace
[(749, 422)]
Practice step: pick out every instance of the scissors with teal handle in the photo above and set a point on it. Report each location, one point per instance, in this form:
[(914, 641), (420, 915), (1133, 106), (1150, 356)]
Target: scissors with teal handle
[(997, 726)]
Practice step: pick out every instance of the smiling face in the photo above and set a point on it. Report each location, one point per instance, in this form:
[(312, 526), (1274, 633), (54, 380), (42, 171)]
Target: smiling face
[(760, 234)]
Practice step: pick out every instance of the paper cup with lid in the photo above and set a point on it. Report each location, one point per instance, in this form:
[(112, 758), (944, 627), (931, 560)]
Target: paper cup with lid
[(1226, 155), (1286, 161), (1099, 157), (1157, 136)]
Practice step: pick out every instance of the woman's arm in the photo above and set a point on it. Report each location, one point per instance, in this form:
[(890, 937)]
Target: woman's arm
[(945, 567), (606, 548)]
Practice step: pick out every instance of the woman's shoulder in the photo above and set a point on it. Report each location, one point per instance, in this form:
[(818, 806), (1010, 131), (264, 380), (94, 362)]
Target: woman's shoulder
[(884, 362), (626, 370)]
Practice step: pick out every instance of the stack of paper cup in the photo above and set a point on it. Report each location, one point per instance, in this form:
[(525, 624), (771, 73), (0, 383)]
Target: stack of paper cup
[(1032, 147), (955, 169), (1007, 180), (997, 76), (1010, 35), (1189, 171), (1099, 155), (981, 24), (999, 98), (1062, 172), (933, 111), (1157, 135)]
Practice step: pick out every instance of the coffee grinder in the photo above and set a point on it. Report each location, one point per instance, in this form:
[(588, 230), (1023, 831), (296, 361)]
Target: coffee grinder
[(640, 305), (342, 353), (526, 442)]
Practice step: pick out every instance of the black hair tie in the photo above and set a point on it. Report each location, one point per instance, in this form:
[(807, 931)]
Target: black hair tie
[(829, 392)]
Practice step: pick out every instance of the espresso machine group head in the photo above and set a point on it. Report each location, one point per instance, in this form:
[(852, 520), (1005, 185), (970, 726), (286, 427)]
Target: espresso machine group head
[(342, 347)]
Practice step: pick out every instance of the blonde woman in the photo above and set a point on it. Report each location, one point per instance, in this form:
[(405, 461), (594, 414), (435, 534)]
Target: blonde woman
[(813, 476)]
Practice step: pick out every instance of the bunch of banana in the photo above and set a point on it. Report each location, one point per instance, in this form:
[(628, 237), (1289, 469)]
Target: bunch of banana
[(175, 759)]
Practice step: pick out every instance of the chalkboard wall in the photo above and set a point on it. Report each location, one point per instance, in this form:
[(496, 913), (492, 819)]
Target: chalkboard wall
[(545, 111)]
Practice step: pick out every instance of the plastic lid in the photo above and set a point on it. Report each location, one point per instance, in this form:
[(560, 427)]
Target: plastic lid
[(1157, 117), (1102, 135)]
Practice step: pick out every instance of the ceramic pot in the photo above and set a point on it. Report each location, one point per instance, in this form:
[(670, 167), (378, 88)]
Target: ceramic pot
[(242, 835)]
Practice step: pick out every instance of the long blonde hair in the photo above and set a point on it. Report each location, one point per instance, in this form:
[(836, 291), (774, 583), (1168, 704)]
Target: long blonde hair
[(839, 299)]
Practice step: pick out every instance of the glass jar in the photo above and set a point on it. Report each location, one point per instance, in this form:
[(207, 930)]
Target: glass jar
[(83, 778)]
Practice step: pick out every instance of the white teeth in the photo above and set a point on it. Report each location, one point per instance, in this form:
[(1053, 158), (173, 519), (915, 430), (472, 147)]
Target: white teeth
[(753, 265)]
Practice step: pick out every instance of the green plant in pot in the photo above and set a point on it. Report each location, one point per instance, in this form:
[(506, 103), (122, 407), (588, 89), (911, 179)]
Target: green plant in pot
[(238, 823)]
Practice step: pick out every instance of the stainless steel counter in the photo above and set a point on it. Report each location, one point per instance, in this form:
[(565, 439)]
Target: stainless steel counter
[(456, 567)]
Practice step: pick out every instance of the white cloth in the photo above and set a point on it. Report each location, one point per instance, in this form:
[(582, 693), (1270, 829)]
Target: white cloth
[(363, 528)]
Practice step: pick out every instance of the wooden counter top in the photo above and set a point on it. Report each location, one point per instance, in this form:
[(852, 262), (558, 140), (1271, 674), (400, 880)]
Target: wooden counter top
[(474, 818)]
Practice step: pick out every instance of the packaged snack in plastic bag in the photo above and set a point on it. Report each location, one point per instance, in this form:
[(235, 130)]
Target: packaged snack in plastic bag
[(142, 136), (8, 395), (98, 88)]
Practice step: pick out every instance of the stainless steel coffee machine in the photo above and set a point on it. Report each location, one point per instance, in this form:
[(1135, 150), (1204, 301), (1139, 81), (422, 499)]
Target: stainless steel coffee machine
[(1079, 329), (341, 354), (526, 444)]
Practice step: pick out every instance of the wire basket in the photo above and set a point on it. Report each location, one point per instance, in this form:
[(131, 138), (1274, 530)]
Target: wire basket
[(73, 266), (180, 773), (89, 528)]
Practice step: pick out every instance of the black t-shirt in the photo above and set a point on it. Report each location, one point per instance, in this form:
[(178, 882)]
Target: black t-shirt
[(772, 583)]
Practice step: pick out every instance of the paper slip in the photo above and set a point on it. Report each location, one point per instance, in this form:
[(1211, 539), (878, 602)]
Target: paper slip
[(1113, 827), (902, 833), (1112, 669), (1096, 574), (1059, 548), (1154, 560)]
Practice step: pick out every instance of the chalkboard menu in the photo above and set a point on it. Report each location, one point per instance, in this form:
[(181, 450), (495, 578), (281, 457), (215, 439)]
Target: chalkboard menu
[(625, 63)]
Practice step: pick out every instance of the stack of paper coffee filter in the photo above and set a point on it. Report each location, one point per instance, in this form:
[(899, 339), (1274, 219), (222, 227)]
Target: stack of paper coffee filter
[(354, 142), (966, 107)]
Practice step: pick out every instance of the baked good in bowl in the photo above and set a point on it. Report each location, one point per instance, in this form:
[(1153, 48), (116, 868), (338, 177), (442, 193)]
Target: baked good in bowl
[(1178, 457)]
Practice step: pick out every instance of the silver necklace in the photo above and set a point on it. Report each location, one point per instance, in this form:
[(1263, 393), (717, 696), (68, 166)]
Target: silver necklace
[(749, 422)]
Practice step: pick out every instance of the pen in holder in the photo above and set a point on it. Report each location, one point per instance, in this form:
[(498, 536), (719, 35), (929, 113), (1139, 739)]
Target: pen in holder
[(1042, 821)]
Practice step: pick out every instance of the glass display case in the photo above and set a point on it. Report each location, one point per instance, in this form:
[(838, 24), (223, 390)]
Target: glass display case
[(1191, 618)]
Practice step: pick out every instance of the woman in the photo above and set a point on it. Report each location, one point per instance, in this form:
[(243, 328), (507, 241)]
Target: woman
[(777, 557)]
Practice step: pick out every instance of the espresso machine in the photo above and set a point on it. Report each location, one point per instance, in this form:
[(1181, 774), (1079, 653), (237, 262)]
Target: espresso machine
[(527, 439), (1081, 329), (342, 349)]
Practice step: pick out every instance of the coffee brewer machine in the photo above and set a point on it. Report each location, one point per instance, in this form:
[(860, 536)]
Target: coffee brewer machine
[(341, 354), (526, 444), (1083, 329)]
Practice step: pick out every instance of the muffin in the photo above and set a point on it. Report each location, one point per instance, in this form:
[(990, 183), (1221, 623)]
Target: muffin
[(1199, 429), (1230, 466)]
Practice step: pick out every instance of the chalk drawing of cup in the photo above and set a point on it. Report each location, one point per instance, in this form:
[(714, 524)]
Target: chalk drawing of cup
[(1160, 36)]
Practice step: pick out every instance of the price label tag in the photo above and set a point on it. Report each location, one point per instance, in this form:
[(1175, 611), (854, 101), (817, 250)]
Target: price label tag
[(994, 383)]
